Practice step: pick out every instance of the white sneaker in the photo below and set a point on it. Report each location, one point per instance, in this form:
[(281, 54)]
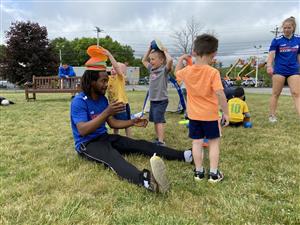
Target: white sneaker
[(159, 173), (272, 119)]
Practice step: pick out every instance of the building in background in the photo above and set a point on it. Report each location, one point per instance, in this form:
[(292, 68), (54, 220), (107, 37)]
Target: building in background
[(132, 76)]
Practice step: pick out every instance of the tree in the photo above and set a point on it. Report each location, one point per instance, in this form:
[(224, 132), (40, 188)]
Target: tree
[(184, 37), (74, 52), (2, 57), (28, 53)]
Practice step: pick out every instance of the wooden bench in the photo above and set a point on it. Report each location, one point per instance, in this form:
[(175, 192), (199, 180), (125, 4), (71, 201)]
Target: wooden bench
[(52, 84)]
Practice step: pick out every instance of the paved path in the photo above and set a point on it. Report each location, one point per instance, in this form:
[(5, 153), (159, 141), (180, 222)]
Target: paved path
[(285, 91)]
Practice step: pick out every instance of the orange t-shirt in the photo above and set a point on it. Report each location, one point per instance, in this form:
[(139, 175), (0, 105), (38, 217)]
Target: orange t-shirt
[(201, 82)]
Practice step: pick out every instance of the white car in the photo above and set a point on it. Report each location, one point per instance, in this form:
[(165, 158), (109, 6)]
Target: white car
[(251, 83)]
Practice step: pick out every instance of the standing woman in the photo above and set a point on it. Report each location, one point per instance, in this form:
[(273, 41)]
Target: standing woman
[(285, 53)]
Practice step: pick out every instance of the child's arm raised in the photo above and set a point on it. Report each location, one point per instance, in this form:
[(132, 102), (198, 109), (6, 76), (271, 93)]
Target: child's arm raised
[(145, 58), (180, 65), (169, 60), (113, 61)]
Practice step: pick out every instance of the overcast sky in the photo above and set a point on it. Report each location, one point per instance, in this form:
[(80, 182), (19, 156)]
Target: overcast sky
[(239, 25)]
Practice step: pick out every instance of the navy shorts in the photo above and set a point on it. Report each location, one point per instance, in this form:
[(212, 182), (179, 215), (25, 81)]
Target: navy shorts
[(204, 129), (125, 115), (157, 111)]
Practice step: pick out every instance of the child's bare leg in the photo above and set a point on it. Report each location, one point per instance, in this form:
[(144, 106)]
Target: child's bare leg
[(116, 131), (159, 129), (128, 132), (214, 152), (198, 153)]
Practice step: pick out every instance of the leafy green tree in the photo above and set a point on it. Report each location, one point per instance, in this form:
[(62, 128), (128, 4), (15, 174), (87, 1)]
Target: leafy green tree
[(74, 52), (28, 52), (2, 52)]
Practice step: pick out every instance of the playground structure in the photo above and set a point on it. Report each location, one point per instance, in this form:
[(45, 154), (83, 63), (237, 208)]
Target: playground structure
[(241, 75), (176, 102)]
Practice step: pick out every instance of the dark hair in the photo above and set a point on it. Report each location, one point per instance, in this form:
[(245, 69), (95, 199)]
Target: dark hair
[(239, 92), (88, 77), (205, 44)]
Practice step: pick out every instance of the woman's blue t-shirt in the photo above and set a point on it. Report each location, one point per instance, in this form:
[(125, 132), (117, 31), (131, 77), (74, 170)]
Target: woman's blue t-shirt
[(286, 55)]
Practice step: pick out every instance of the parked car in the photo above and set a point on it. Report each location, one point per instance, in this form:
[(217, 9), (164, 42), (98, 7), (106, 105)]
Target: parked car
[(248, 83), (143, 81), (251, 83), (6, 84)]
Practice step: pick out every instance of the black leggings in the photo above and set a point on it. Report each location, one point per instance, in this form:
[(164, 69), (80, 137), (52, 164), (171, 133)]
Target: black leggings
[(107, 149)]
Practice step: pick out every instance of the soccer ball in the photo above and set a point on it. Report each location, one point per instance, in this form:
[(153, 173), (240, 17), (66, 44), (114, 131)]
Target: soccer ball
[(248, 125), (4, 102)]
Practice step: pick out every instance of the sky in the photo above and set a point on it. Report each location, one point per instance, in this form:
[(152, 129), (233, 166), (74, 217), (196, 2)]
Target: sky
[(242, 27)]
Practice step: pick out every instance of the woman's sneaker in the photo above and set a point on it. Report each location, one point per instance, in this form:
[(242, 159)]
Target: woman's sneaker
[(198, 176), (158, 180), (215, 177)]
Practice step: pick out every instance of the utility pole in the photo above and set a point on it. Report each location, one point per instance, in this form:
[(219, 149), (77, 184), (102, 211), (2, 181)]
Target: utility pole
[(60, 46), (275, 31), (257, 47), (98, 30)]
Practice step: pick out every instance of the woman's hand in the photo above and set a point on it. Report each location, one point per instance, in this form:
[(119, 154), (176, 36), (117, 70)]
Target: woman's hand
[(270, 70)]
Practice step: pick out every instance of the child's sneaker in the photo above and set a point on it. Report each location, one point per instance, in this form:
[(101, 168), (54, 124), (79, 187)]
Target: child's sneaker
[(159, 143), (159, 180), (198, 176), (215, 178), (272, 119)]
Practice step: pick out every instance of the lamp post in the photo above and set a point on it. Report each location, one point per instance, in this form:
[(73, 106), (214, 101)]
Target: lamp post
[(98, 30), (257, 47)]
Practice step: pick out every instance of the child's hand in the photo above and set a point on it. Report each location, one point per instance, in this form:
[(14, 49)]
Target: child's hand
[(106, 52), (184, 57), (140, 122), (225, 120)]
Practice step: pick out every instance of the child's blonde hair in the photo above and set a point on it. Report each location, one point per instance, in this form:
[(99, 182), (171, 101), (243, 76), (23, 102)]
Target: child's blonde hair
[(160, 54), (292, 21)]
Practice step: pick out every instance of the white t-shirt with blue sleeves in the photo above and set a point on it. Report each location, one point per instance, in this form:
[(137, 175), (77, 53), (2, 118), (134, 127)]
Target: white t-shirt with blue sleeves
[(84, 109), (286, 55)]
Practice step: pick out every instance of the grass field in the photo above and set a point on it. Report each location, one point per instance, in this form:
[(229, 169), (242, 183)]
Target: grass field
[(43, 181)]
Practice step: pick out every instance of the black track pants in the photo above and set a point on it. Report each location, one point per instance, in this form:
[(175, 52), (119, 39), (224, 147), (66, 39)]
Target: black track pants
[(108, 149)]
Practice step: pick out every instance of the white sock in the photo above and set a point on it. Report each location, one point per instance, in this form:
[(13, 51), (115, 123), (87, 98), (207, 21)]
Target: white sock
[(146, 184), (213, 170), (200, 169), (188, 157)]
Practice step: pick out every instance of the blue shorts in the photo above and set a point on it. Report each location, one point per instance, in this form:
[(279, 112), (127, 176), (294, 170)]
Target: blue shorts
[(204, 129), (157, 111), (287, 75), (125, 115)]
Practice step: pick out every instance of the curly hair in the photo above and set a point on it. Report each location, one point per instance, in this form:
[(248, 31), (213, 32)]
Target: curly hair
[(88, 77)]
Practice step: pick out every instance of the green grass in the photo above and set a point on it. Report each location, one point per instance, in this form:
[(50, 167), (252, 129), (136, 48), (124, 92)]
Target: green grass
[(43, 181)]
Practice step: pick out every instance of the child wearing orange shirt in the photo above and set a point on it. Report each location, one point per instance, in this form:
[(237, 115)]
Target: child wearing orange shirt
[(204, 94)]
